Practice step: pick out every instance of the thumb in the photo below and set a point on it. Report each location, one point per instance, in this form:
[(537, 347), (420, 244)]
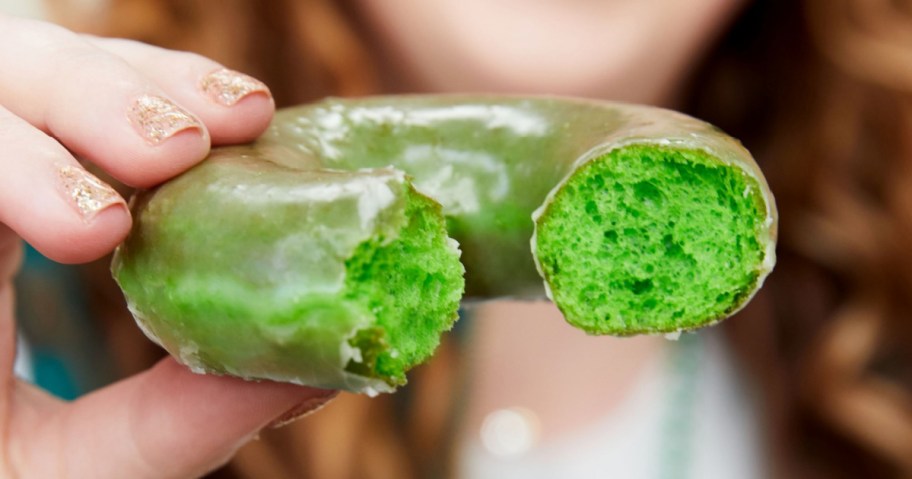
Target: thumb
[(169, 422)]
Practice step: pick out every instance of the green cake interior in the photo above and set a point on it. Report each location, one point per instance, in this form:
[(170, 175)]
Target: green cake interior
[(649, 239), (412, 286)]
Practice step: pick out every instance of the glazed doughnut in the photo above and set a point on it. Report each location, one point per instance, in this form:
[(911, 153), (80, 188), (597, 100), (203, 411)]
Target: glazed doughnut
[(321, 254)]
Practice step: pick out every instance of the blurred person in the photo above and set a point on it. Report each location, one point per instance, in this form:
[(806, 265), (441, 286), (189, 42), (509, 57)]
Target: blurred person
[(817, 90)]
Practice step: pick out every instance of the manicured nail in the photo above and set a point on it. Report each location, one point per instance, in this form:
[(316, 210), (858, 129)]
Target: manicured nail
[(158, 119), (227, 87), (302, 410), (86, 192)]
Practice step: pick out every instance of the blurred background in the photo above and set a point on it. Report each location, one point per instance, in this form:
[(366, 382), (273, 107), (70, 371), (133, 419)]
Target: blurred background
[(812, 380)]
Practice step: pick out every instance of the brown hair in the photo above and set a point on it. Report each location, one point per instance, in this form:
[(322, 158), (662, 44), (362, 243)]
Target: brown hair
[(303, 49), (821, 95)]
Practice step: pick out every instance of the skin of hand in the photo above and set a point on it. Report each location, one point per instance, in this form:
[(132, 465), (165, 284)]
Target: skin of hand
[(142, 115)]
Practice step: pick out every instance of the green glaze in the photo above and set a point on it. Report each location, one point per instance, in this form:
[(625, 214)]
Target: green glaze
[(265, 256), (247, 268)]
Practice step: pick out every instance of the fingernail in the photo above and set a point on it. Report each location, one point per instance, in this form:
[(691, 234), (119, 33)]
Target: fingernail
[(303, 409), (227, 87), (157, 119), (86, 192)]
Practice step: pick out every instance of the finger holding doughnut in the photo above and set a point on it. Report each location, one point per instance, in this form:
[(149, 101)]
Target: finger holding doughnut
[(96, 104), (63, 97), (234, 107), (51, 201)]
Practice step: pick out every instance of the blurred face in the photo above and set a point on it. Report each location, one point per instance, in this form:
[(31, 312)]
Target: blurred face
[(628, 50)]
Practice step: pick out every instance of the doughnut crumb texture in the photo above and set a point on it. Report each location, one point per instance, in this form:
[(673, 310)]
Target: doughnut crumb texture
[(653, 239), (411, 286)]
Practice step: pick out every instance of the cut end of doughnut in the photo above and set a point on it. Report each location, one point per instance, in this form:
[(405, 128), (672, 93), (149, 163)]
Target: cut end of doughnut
[(412, 286), (252, 292), (654, 239)]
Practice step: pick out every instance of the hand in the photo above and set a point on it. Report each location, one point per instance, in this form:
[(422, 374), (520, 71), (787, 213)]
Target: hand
[(142, 115)]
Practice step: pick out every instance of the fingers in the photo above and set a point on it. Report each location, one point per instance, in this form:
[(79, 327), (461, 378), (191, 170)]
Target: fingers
[(49, 200), (141, 113), (235, 107), (96, 104), (167, 422)]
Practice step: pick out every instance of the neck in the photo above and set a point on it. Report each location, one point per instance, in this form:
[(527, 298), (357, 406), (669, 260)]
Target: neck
[(523, 355)]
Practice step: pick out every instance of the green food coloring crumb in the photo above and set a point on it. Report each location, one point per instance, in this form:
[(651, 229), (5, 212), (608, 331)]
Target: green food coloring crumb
[(650, 239), (412, 286)]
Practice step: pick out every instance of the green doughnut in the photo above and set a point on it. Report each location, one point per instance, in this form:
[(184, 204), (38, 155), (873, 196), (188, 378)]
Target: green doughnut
[(320, 254)]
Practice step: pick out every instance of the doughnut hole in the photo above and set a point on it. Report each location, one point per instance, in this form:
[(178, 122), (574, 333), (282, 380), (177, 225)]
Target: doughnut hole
[(652, 239)]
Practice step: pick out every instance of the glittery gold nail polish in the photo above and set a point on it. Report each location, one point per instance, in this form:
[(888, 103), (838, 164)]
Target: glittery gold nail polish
[(158, 119), (227, 87), (86, 192)]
